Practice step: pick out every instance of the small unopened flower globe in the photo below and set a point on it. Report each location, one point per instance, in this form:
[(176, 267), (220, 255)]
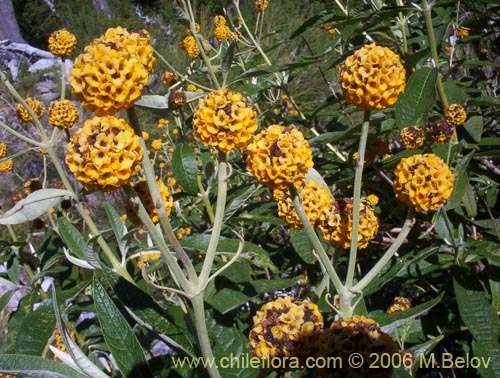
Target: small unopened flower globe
[(35, 105), (104, 153), (314, 197), (358, 336), (112, 71), (399, 304), (423, 181), (372, 78), (279, 156), (455, 114), (411, 137), (188, 44), (62, 43), (225, 120), (63, 113), (285, 327), (441, 131)]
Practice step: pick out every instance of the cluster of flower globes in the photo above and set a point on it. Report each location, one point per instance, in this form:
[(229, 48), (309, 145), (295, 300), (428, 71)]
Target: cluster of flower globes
[(104, 154)]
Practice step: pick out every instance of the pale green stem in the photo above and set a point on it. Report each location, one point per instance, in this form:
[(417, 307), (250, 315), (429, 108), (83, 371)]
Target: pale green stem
[(21, 136), (206, 60), (157, 199), (202, 333), (63, 78), (159, 241), (382, 262), (358, 176), (403, 24), (205, 199), (222, 176), (342, 8), (318, 247)]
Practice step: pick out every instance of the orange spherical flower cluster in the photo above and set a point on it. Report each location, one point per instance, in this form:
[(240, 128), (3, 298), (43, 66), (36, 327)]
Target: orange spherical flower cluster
[(359, 335), (104, 153), (142, 190), (188, 44), (6, 165), (225, 120), (176, 99), (112, 71), (372, 78), (285, 327), (336, 223), (279, 156), (399, 304), (261, 5), (221, 30), (169, 78), (32, 185), (455, 114), (423, 181), (440, 131), (35, 105), (411, 137), (63, 113), (62, 43), (314, 198)]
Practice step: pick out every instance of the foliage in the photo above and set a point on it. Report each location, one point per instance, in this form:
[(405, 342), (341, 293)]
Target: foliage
[(133, 298)]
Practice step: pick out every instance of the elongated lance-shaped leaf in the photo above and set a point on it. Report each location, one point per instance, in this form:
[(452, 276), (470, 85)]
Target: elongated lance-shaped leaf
[(79, 358), (34, 366), (34, 205), (119, 336), (72, 237), (418, 98), (240, 201), (185, 168)]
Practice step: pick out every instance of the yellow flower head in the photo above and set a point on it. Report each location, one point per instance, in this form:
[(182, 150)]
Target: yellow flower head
[(372, 78), (372, 199), (6, 165), (32, 185), (279, 156), (423, 181), (455, 114), (62, 43), (145, 195), (112, 71), (261, 5), (314, 198), (336, 223), (223, 119), (188, 44), (440, 131), (156, 144), (3, 149), (35, 105), (462, 32), (63, 113), (399, 304), (284, 328), (104, 153), (169, 78), (411, 137), (221, 30), (360, 335)]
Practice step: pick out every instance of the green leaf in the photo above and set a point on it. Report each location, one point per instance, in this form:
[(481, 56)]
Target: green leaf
[(274, 68), (227, 58), (391, 322), (115, 221), (460, 183), (469, 201), (239, 201), (155, 102), (5, 298), (474, 127), (302, 245), (170, 324), (185, 168), (454, 93), (484, 101), (119, 337), (40, 323), (34, 366), (34, 205), (72, 237), (418, 98), (480, 318)]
